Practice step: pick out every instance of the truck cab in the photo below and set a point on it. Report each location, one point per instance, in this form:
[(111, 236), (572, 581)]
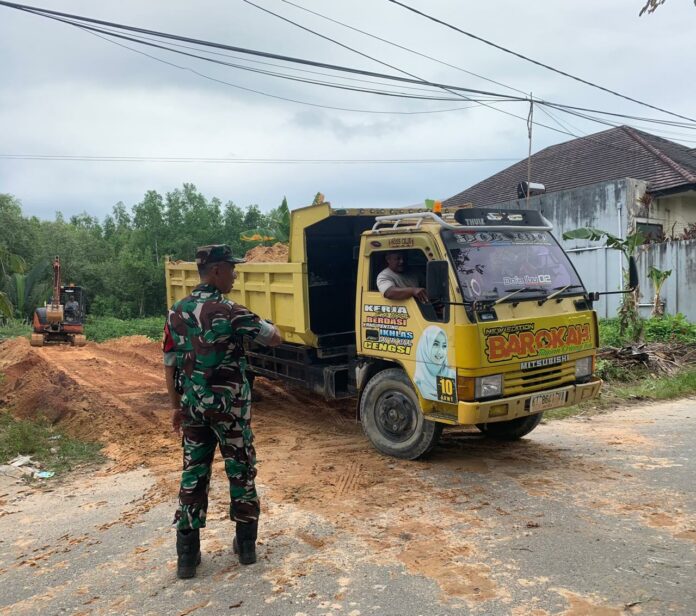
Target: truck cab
[(507, 334), (508, 330)]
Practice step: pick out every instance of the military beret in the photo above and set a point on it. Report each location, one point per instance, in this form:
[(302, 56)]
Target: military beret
[(215, 253)]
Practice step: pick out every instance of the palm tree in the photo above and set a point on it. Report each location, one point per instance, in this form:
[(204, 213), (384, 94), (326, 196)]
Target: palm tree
[(9, 263), (23, 287)]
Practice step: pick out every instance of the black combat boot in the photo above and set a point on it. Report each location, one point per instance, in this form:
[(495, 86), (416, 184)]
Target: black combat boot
[(188, 550), (244, 542)]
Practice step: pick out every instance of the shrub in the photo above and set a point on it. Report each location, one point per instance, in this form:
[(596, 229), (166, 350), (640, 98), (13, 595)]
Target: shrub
[(609, 334), (667, 328), (100, 329), (670, 328)]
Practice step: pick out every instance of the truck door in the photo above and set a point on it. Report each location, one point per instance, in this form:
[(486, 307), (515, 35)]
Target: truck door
[(415, 335)]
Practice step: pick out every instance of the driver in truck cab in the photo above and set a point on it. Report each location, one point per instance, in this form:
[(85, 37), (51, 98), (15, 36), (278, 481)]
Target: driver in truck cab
[(397, 281)]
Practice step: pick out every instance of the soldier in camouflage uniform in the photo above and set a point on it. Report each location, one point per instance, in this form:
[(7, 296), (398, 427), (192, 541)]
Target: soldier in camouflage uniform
[(203, 343)]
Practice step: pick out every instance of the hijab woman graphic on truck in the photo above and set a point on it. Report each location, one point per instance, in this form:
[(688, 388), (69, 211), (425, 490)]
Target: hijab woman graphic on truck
[(431, 361)]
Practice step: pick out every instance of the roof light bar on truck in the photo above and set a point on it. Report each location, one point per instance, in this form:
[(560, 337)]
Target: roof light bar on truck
[(468, 218)]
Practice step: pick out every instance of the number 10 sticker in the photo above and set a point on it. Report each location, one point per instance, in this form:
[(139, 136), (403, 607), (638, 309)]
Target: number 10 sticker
[(446, 389)]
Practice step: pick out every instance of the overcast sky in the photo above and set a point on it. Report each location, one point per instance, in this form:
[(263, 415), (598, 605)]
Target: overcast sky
[(66, 92)]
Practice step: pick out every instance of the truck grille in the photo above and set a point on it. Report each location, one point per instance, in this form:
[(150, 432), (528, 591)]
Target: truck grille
[(523, 381)]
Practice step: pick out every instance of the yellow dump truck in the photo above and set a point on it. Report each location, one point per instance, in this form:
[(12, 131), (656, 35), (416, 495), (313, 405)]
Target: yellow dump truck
[(508, 331)]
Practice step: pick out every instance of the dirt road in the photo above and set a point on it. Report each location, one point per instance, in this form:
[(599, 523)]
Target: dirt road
[(583, 517)]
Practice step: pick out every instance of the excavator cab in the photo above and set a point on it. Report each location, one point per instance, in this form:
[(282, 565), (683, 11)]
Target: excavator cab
[(73, 300), (62, 319)]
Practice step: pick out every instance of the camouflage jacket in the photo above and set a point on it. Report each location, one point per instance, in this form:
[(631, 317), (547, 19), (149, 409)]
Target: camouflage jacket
[(207, 331)]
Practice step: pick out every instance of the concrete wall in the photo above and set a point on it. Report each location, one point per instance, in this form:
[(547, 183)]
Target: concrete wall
[(679, 290), (674, 212), (614, 207)]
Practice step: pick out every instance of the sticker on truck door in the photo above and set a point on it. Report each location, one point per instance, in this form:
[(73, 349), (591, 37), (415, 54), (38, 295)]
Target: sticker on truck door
[(434, 378)]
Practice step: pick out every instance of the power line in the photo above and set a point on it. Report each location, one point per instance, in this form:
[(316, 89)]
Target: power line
[(247, 161), (93, 31), (56, 15), (335, 42), (538, 63), (563, 127), (404, 48), (49, 14), (66, 18), (449, 89)]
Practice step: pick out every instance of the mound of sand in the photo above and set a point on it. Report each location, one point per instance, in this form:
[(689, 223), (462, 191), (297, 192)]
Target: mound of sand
[(112, 392), (278, 253), (33, 388)]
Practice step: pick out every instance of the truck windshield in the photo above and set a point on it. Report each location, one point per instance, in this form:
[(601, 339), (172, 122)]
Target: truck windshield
[(493, 264)]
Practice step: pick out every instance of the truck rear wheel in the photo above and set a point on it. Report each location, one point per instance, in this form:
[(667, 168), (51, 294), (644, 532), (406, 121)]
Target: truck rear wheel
[(511, 430), (392, 419)]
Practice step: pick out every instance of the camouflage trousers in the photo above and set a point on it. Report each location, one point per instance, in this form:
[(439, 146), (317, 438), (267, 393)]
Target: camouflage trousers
[(201, 436)]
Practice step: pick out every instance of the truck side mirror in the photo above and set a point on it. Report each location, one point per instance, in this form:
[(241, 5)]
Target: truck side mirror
[(437, 281), (632, 273)]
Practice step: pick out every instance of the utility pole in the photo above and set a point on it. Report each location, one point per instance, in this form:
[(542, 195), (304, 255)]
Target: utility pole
[(530, 123)]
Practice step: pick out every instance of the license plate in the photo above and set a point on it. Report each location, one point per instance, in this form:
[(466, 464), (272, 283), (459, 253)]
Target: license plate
[(545, 401)]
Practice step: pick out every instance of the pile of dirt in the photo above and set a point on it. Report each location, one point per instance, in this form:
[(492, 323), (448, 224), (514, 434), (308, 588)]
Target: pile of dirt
[(112, 392), (657, 357), (278, 253)]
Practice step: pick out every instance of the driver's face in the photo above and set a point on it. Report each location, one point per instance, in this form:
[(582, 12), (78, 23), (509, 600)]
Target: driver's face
[(396, 261)]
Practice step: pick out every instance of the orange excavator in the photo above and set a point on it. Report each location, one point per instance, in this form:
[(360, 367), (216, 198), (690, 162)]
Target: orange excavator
[(61, 320)]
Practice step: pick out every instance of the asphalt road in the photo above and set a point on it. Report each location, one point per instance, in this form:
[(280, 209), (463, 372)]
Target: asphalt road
[(591, 516)]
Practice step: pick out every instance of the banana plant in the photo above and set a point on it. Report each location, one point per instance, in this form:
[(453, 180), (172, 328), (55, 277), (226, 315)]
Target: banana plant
[(658, 278), (629, 319)]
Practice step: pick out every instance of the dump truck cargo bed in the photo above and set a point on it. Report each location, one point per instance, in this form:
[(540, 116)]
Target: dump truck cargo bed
[(312, 297)]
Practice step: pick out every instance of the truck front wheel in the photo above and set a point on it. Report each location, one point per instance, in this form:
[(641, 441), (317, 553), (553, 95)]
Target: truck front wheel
[(511, 430), (392, 419)]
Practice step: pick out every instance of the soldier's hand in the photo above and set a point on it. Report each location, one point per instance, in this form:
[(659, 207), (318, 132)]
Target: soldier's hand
[(176, 421), (277, 338)]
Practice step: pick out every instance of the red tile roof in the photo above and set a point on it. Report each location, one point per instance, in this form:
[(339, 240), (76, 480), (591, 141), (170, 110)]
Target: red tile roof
[(621, 152)]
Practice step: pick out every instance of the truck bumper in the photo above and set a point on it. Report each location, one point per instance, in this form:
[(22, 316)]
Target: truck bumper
[(505, 409)]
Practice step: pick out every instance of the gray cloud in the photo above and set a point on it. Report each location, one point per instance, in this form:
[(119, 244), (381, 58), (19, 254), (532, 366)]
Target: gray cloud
[(66, 92)]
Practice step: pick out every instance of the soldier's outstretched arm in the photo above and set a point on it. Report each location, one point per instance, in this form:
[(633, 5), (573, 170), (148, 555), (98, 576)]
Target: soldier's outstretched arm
[(239, 321)]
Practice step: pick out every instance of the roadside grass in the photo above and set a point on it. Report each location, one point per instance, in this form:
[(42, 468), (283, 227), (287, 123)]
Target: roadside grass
[(13, 328), (100, 329), (668, 328), (661, 388), (49, 447), (619, 393)]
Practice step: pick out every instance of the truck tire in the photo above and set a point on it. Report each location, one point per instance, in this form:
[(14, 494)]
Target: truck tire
[(511, 430), (392, 419)]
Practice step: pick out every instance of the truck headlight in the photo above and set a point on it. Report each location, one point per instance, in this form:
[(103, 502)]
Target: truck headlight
[(489, 386), (583, 367)]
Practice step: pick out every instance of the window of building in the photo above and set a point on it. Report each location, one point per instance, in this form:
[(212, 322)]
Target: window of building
[(652, 232)]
